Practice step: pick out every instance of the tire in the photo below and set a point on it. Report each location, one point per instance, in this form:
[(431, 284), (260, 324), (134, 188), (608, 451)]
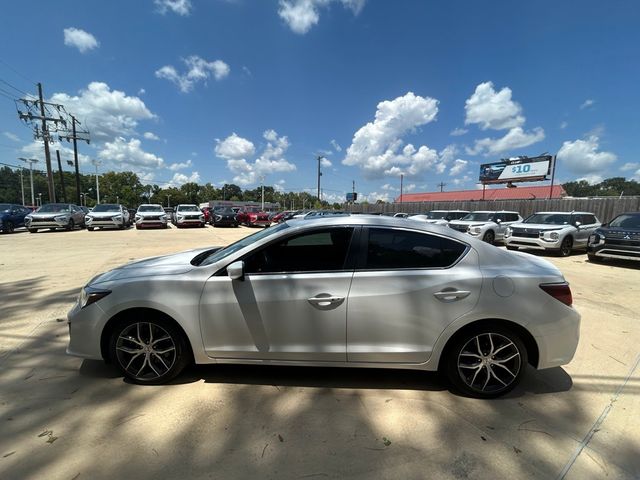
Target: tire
[(8, 227), (489, 237), (90, 229), (122, 226), (566, 247), (509, 247), (471, 366), (71, 224), (149, 351), (593, 258), (32, 230)]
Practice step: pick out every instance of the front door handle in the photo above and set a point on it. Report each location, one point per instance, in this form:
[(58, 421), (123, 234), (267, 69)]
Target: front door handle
[(450, 295), (325, 300)]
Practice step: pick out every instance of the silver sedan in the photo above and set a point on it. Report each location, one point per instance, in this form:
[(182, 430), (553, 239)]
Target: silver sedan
[(358, 291)]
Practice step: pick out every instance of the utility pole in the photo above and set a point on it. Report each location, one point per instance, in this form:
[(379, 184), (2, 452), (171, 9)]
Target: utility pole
[(96, 163), (401, 180), (64, 193), (47, 154), (320, 157), (262, 186), (168, 198), (30, 161), (441, 185), (22, 186), (76, 135)]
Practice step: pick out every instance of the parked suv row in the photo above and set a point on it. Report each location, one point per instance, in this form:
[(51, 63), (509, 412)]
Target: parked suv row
[(487, 225)]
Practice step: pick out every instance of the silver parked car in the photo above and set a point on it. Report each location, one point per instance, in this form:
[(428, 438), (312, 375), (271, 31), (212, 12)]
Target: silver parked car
[(358, 291), (489, 226), (107, 215), (151, 215), (560, 232), (55, 215), (187, 215)]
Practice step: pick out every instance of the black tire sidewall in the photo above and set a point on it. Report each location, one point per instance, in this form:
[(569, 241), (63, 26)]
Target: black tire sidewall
[(183, 353), (451, 360)]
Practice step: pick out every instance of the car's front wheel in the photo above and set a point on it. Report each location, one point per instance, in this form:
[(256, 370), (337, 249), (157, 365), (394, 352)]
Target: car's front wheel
[(149, 352), (8, 227), (486, 362), (489, 237), (566, 246)]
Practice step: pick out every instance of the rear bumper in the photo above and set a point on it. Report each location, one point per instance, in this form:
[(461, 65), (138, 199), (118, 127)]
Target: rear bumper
[(557, 340)]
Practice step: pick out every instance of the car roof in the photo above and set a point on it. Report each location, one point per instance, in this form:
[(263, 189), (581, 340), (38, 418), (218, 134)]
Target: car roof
[(564, 213)]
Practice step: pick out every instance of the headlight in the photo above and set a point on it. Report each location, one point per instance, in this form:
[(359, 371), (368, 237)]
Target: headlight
[(90, 295), (163, 217), (61, 218), (218, 217), (554, 235), (507, 232), (202, 217), (117, 217), (477, 229), (595, 238), (138, 218)]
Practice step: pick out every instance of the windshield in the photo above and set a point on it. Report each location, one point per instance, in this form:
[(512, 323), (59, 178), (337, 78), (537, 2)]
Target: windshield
[(54, 208), (225, 211), (550, 218), (626, 220), (240, 244), (436, 215), (478, 217), (106, 207), (150, 208), (188, 208), (4, 207)]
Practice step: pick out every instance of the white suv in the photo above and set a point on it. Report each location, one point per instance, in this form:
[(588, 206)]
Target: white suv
[(561, 232), (487, 225), (151, 215), (440, 217)]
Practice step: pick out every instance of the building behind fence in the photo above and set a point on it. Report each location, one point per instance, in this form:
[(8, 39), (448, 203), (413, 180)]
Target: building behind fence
[(605, 208)]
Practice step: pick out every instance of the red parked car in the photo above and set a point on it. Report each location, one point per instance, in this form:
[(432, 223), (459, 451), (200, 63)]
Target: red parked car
[(253, 217)]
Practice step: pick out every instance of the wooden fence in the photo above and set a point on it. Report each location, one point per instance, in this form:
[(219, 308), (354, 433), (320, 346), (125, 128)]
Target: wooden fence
[(605, 208)]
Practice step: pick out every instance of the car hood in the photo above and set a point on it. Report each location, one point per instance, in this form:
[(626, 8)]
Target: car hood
[(540, 226), (150, 214), (103, 214), (48, 215), (475, 223), (174, 264)]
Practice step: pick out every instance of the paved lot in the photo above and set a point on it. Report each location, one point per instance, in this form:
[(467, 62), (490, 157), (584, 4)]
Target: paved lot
[(65, 418)]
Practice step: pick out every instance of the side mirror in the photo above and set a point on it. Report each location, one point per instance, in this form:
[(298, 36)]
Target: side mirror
[(577, 224), (498, 221), (235, 271)]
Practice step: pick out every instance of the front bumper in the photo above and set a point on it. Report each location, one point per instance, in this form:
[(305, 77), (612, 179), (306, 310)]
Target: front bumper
[(104, 222), (190, 222), (47, 223), (143, 222), (533, 243), (615, 250), (259, 223)]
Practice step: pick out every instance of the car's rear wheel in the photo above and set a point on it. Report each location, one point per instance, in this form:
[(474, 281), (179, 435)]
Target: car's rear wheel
[(71, 225), (566, 247), (489, 237), (8, 227), (90, 229), (486, 362), (149, 352), (32, 230)]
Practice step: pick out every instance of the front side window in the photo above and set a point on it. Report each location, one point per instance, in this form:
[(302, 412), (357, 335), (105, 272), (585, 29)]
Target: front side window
[(315, 251), (395, 249)]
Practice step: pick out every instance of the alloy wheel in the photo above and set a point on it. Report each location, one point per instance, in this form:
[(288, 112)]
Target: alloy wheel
[(565, 248), (146, 351), (489, 362)]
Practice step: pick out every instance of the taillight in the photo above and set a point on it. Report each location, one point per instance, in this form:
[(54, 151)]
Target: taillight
[(559, 291)]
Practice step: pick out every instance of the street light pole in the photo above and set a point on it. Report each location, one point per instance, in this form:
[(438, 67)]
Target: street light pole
[(30, 161), (168, 197), (22, 186), (96, 163), (40, 199), (262, 186)]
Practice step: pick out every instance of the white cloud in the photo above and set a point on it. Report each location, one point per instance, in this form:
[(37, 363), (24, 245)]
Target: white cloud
[(236, 150), (630, 166), (378, 148), (514, 139), (198, 69), (35, 149), (373, 197), (142, 91), (325, 163), (180, 7), (491, 109), (123, 154), (11, 136), (458, 167), (301, 15), (591, 179), (106, 113), (180, 179), (83, 41), (587, 103), (279, 185), (457, 132), (150, 136), (563, 125), (390, 188), (336, 146), (180, 166), (234, 147), (461, 181), (146, 177), (583, 157)]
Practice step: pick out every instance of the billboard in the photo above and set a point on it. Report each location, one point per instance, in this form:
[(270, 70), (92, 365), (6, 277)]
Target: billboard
[(352, 197), (520, 169)]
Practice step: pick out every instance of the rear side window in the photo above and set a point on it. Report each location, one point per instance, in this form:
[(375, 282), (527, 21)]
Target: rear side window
[(511, 217), (588, 219), (394, 249), (316, 251)]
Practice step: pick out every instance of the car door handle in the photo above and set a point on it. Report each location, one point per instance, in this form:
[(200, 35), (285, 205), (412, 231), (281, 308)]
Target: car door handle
[(451, 295), (324, 300)]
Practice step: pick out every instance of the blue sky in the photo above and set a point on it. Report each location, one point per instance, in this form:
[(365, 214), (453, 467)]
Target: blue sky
[(225, 90)]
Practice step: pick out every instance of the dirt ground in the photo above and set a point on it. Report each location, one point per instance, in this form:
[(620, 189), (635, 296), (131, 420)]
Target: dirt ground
[(65, 418)]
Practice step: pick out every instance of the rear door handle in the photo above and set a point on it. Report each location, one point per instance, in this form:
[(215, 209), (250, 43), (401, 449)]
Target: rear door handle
[(325, 299), (451, 295)]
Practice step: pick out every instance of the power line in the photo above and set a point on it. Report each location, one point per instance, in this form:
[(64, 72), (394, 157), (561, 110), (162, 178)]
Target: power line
[(17, 72), (14, 87)]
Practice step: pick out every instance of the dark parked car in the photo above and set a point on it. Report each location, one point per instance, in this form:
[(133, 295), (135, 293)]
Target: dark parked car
[(12, 216), (224, 217), (620, 238), (55, 215)]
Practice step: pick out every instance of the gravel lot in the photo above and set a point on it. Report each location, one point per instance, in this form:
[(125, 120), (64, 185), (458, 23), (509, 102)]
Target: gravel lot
[(65, 418)]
